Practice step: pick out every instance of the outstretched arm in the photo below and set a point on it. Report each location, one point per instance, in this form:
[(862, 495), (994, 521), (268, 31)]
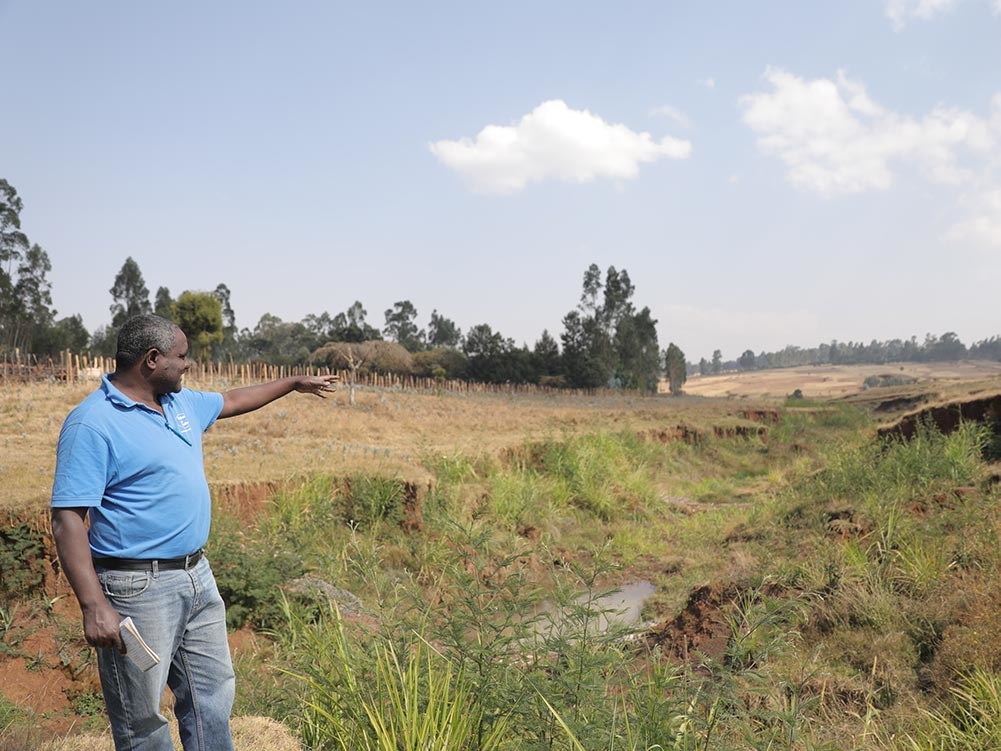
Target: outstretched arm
[(100, 619), (249, 398)]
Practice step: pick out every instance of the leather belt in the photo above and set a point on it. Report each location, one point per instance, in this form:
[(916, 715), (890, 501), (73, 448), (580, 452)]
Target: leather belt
[(143, 564)]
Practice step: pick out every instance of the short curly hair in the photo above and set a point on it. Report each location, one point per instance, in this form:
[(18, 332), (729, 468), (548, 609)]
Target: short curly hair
[(139, 335)]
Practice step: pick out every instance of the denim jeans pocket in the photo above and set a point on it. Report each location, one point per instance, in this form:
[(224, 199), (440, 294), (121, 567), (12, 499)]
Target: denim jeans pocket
[(122, 585)]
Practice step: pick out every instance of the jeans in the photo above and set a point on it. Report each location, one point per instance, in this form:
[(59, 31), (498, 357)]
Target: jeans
[(180, 614)]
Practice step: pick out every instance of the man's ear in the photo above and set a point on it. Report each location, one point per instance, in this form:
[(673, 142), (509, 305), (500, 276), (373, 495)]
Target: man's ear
[(151, 358)]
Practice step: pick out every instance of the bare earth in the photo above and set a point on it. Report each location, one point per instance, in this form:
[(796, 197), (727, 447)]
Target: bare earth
[(832, 381)]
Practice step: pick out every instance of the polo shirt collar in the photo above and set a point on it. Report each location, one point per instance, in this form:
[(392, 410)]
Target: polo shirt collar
[(116, 396)]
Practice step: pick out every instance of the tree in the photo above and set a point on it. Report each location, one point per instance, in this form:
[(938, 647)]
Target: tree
[(222, 294), (592, 288), (441, 363), (400, 326), (442, 332), (583, 345), (747, 360), (163, 304), (199, 314), (605, 328), (617, 302), (350, 326), (278, 342), (704, 367), (129, 293), (547, 355), (484, 347), (388, 357), (31, 306), (228, 345), (677, 369), (948, 347), (13, 245), (717, 363), (69, 333), (637, 351)]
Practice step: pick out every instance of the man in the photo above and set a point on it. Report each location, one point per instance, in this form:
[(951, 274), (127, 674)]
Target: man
[(130, 456)]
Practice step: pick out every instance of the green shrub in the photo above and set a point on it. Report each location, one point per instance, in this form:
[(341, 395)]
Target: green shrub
[(22, 562), (250, 570), (368, 500)]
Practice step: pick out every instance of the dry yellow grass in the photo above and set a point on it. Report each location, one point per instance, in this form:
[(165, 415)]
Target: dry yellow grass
[(386, 431), (249, 734), (832, 381)]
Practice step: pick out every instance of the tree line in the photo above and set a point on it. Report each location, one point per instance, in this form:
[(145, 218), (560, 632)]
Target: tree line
[(945, 348), (606, 341)]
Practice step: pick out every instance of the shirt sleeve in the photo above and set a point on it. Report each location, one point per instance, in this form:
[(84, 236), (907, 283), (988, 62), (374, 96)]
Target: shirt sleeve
[(207, 405), (84, 465)]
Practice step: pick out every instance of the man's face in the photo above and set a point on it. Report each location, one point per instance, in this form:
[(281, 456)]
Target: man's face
[(172, 365)]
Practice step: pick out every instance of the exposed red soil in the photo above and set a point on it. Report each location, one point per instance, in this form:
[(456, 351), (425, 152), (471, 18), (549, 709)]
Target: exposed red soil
[(947, 417), (701, 628)]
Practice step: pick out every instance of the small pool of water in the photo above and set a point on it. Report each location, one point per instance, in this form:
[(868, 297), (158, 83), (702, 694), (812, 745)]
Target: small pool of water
[(621, 608)]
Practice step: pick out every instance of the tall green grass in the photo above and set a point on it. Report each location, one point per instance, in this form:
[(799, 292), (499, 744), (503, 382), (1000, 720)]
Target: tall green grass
[(853, 569)]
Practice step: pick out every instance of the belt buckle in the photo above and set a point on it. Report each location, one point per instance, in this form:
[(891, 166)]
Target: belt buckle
[(191, 559)]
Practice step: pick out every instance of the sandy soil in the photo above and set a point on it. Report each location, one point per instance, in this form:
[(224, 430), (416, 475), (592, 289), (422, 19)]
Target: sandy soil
[(831, 381)]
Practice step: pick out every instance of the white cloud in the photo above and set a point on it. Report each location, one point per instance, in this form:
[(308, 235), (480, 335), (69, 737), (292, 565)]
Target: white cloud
[(996, 7), (676, 115), (834, 138), (901, 11), (982, 226), (553, 142), (710, 83)]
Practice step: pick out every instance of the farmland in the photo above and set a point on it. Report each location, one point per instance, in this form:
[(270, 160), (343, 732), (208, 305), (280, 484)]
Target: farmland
[(778, 541)]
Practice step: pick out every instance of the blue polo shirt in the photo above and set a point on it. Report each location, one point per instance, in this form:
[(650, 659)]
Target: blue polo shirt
[(141, 474)]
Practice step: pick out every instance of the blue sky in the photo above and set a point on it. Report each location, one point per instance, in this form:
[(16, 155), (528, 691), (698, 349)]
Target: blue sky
[(769, 173)]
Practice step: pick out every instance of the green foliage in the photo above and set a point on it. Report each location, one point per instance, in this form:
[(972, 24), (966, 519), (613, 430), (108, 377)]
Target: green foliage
[(676, 368), (22, 562), (605, 475), (717, 362), (400, 326), (845, 590), (897, 470), (440, 363), (199, 314), (250, 570), (380, 696), (885, 381), (129, 294), (442, 332), (970, 721), (16, 730), (371, 500), (605, 341)]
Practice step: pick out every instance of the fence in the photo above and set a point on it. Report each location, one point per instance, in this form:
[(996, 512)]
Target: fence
[(71, 368)]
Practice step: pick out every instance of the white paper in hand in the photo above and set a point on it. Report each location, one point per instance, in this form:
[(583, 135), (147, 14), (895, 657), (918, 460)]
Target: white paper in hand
[(136, 648)]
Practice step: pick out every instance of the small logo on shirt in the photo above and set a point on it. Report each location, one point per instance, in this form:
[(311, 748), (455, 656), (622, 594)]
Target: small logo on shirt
[(183, 424)]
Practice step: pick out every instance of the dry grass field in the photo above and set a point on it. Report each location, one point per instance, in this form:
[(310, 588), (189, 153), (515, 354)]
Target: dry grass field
[(833, 381), (388, 431), (404, 434), (394, 432)]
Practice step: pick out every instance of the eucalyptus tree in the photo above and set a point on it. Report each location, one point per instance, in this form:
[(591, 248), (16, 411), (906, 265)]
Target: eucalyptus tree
[(129, 294), (163, 304), (400, 326), (31, 305), (676, 368), (442, 332), (13, 245)]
